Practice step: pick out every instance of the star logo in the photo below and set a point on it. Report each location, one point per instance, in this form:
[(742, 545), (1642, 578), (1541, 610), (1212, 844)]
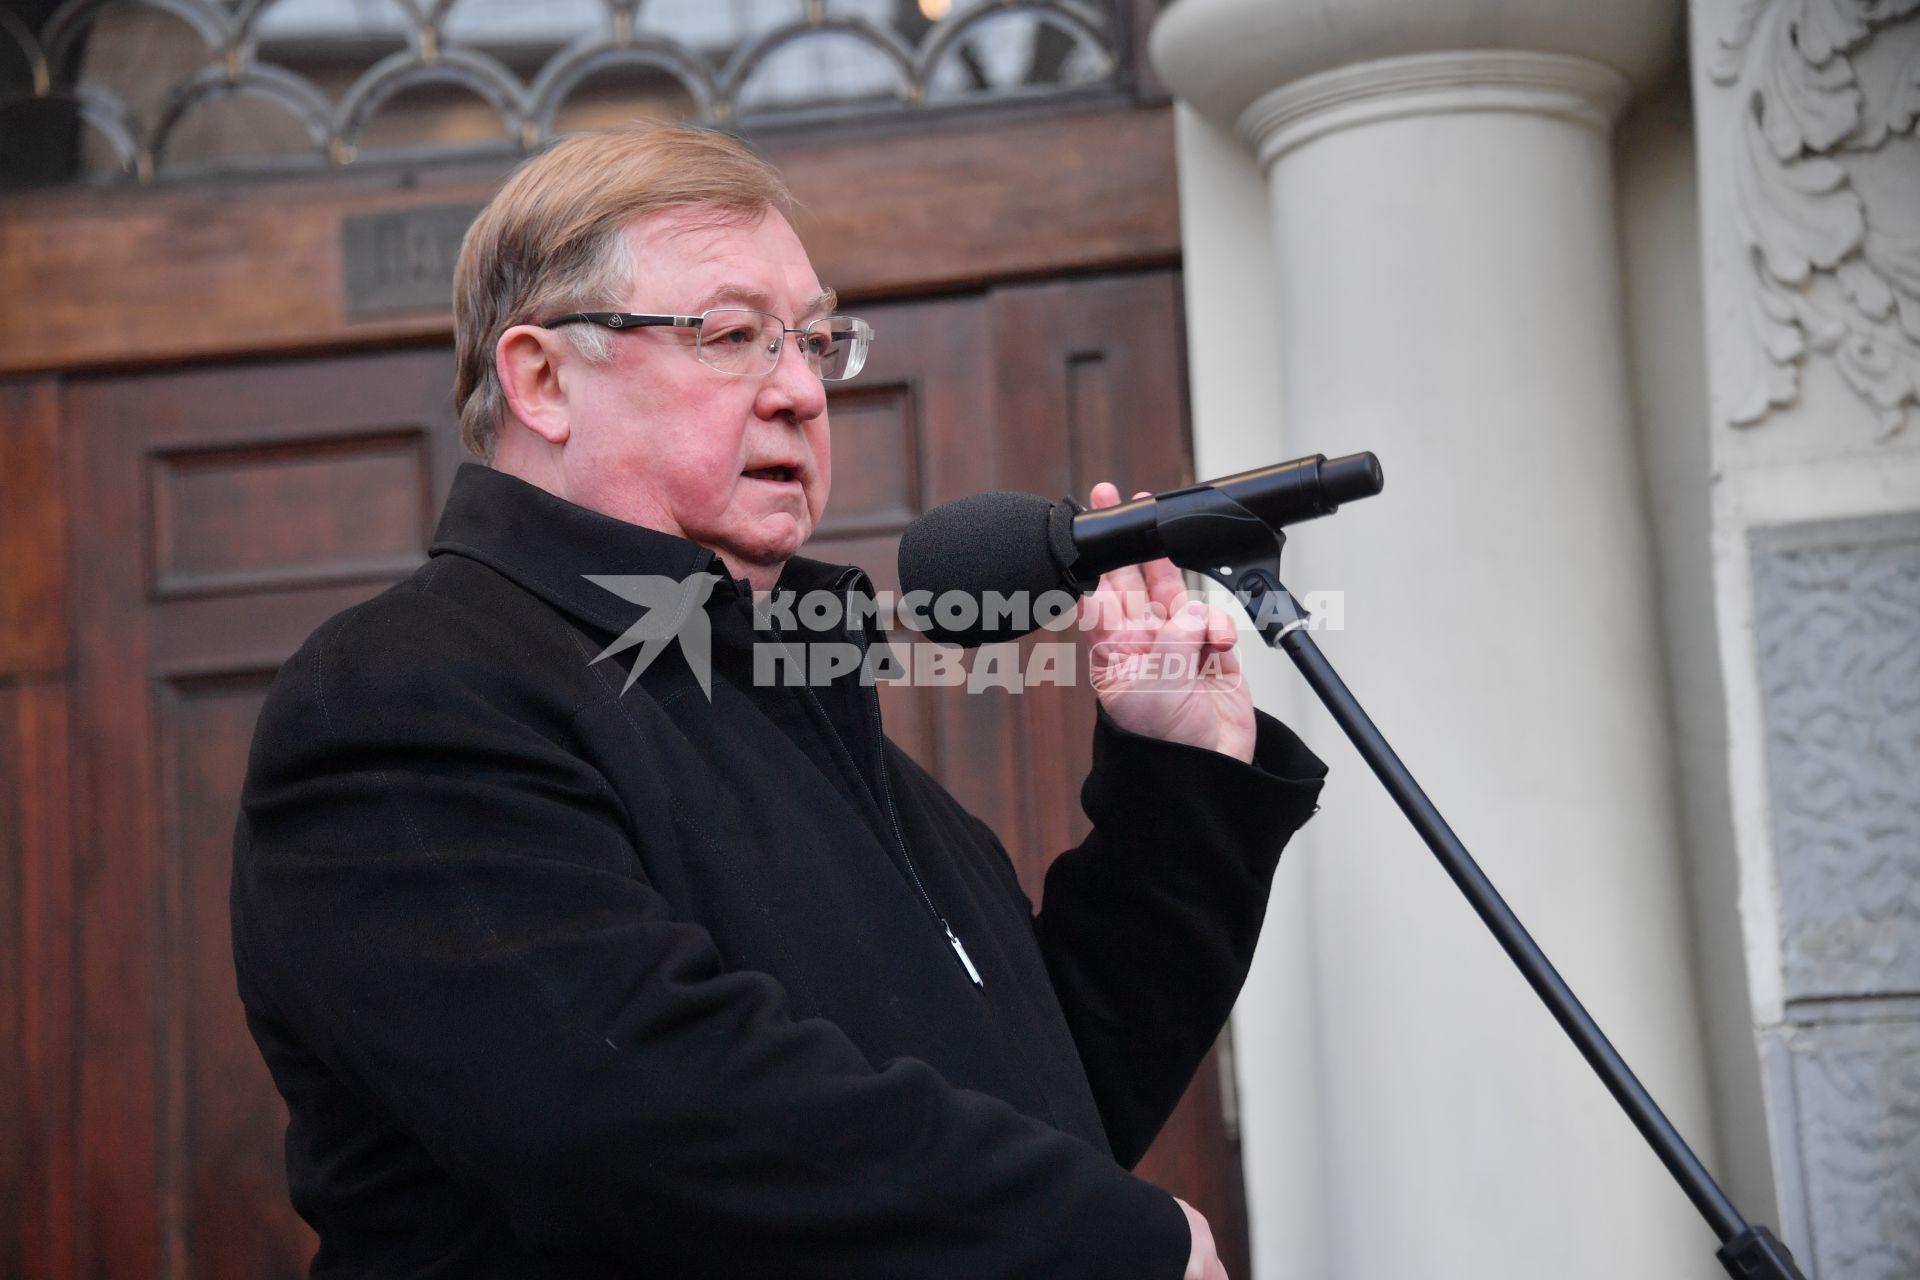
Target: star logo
[(674, 608)]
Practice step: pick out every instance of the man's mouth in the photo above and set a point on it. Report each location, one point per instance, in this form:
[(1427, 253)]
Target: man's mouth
[(774, 473)]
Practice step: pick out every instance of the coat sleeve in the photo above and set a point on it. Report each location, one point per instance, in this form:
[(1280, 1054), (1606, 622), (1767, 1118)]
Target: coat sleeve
[(445, 907), (1148, 927)]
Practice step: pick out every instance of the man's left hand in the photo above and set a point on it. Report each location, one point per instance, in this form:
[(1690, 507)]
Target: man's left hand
[(1163, 662)]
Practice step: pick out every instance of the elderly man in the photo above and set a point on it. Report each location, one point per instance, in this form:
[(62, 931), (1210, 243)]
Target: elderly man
[(702, 976)]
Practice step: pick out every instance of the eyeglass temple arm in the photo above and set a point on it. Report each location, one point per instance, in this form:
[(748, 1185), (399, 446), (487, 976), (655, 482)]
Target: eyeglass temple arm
[(622, 320)]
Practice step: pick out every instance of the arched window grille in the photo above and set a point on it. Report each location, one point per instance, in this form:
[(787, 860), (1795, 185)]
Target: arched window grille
[(155, 90)]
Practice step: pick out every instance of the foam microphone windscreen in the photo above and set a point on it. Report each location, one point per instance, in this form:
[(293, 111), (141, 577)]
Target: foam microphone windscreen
[(990, 542)]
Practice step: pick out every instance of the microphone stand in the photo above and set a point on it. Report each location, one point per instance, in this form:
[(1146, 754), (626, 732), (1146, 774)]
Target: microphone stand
[(1209, 533)]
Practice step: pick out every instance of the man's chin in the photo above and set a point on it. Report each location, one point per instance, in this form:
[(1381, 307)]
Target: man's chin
[(771, 543)]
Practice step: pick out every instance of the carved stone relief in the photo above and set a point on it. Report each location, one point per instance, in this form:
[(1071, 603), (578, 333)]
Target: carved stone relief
[(1837, 627), (1825, 178), (1856, 1089), (1836, 612)]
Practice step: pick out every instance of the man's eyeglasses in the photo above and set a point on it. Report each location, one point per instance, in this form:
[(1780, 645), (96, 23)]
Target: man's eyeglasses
[(747, 343)]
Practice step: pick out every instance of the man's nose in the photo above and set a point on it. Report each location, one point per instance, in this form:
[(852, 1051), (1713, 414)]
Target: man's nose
[(794, 386)]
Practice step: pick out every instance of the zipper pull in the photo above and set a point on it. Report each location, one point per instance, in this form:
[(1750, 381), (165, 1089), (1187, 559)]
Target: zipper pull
[(959, 949)]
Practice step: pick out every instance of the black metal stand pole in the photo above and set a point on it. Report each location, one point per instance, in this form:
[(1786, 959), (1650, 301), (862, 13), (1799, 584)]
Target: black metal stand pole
[(1748, 1252), (1205, 530)]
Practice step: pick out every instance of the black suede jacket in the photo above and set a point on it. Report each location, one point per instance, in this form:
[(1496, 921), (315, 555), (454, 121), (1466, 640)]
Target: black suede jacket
[(561, 981)]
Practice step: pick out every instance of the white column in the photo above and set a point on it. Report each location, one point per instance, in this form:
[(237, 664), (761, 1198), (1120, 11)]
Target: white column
[(1228, 253), (1449, 296)]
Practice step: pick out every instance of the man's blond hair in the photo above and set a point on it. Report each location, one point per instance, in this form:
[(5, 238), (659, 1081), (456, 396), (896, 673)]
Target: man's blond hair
[(550, 242)]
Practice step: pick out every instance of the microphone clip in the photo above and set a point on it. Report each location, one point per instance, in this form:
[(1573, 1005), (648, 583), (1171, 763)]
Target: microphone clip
[(1207, 532)]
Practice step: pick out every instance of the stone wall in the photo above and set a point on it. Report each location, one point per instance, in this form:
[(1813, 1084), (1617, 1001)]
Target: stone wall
[(1810, 182)]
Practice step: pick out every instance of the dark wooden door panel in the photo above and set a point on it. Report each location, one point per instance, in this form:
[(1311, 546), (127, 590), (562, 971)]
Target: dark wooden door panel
[(224, 513), (223, 1128), (1090, 385), (36, 1052), (1043, 388), (907, 436), (36, 799)]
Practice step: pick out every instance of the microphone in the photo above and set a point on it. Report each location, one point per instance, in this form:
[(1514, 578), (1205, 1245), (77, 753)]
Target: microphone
[(1021, 544)]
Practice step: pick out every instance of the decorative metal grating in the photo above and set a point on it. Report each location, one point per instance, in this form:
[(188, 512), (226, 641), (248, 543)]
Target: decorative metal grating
[(155, 89)]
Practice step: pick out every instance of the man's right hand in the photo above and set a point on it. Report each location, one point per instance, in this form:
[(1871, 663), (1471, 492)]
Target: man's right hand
[(1202, 1262)]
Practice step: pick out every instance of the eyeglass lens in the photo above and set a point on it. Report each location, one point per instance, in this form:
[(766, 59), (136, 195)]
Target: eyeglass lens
[(748, 342)]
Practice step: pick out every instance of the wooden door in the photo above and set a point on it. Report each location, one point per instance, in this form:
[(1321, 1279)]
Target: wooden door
[(222, 513), (209, 441)]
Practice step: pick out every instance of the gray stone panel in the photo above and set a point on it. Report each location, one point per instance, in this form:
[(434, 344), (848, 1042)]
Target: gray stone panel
[(1837, 627), (1857, 1094)]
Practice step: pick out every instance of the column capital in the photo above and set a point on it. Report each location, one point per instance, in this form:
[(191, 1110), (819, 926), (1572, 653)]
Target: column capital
[(1224, 57), (1430, 84)]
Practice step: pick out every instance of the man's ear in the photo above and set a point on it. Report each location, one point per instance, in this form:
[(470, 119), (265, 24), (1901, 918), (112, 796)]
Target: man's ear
[(528, 360)]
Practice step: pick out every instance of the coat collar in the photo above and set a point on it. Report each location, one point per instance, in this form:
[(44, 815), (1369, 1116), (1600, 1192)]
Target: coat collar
[(548, 545)]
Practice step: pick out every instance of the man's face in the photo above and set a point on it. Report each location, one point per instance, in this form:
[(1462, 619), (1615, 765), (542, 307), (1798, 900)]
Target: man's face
[(739, 464)]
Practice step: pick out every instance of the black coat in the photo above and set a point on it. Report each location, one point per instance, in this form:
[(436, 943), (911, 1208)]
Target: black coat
[(560, 982)]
